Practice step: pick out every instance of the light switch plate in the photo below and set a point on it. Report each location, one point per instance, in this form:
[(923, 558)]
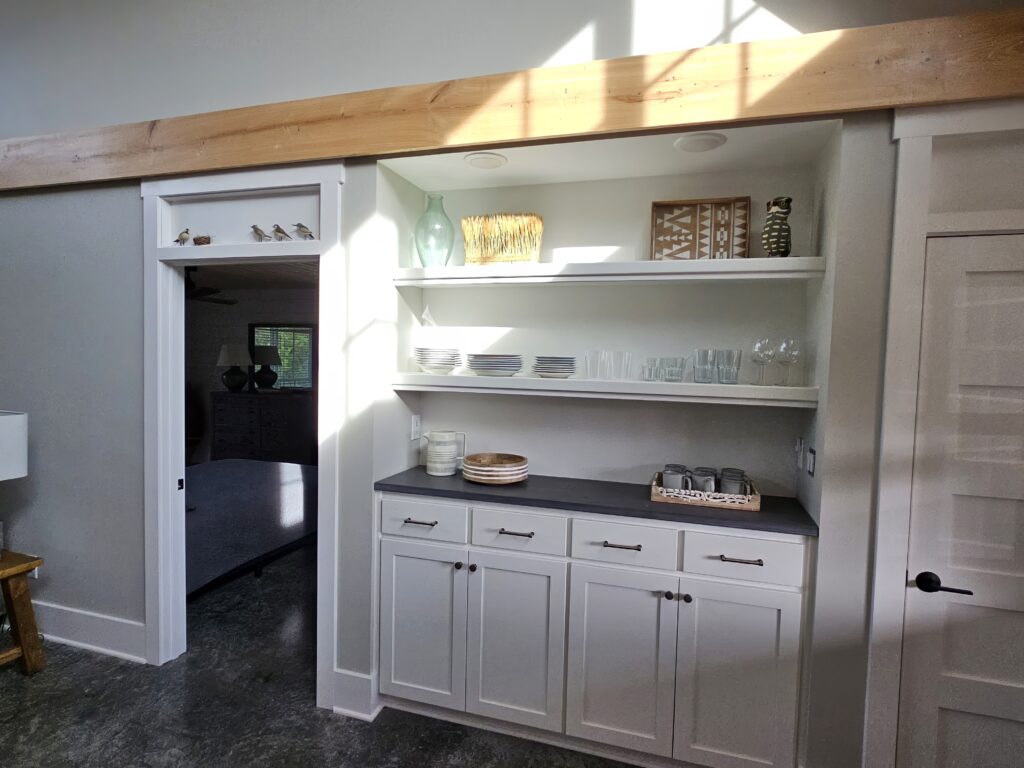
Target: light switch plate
[(415, 429)]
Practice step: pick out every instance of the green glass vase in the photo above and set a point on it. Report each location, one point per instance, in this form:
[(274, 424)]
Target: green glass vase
[(435, 233)]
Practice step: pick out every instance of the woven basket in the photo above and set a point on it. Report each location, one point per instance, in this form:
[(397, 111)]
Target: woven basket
[(750, 502), (502, 237)]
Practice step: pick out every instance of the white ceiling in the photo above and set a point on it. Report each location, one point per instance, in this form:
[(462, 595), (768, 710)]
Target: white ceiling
[(292, 274), (754, 147)]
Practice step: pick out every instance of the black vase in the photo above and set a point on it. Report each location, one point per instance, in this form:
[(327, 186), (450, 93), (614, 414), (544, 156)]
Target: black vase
[(265, 377), (234, 378)]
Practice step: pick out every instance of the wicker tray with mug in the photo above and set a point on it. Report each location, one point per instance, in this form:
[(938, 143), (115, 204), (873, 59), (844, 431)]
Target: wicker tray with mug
[(748, 501)]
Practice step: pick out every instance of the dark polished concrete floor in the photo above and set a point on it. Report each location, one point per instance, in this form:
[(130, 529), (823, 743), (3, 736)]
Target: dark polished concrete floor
[(242, 696)]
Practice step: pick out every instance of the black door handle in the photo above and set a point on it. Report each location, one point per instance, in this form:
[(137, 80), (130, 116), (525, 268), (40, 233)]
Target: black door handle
[(927, 581)]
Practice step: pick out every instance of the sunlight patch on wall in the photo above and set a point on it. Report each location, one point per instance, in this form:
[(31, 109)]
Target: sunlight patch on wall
[(372, 313), (580, 48), (660, 26)]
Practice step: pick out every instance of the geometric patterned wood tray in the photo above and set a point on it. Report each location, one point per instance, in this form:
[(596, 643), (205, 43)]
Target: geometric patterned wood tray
[(700, 229)]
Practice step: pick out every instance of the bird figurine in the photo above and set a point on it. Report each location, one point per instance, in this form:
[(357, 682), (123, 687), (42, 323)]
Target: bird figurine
[(280, 234), (306, 232), (259, 234), (182, 237), (776, 238)]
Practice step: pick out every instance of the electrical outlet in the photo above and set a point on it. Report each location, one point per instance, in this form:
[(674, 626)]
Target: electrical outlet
[(34, 573), (415, 430), (812, 458)]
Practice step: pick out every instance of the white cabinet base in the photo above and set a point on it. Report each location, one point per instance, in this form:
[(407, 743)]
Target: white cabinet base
[(622, 666), (516, 639), (423, 622)]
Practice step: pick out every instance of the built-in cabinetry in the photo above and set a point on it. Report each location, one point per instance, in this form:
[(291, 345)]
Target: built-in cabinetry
[(659, 637)]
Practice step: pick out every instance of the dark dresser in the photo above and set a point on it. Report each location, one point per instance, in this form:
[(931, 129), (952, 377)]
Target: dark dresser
[(269, 426)]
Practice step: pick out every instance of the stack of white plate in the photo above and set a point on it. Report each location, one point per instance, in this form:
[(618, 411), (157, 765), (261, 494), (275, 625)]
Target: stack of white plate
[(437, 360), (495, 365), (554, 367), (495, 468)]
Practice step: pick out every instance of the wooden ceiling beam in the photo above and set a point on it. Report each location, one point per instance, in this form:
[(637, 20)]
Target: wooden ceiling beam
[(915, 63)]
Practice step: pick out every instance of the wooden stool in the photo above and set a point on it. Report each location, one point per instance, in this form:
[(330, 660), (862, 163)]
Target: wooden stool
[(14, 568)]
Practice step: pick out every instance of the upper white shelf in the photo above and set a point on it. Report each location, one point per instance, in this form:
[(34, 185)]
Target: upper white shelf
[(641, 272), (227, 252), (731, 394)]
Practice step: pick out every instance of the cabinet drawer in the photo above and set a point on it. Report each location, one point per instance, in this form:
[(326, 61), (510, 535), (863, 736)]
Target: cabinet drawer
[(782, 562), (422, 519), (520, 531), (640, 545)]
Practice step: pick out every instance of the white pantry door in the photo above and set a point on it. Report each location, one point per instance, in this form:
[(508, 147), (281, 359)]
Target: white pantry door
[(962, 687)]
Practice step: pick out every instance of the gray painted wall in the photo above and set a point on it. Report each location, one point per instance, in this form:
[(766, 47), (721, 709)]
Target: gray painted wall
[(71, 346)]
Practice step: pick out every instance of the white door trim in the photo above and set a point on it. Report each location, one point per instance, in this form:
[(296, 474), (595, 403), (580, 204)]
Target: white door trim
[(164, 420), (912, 225)]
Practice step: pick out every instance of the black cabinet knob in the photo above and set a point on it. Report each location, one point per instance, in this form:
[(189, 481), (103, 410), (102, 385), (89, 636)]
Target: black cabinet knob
[(458, 566), (670, 595), (472, 567), (687, 598)]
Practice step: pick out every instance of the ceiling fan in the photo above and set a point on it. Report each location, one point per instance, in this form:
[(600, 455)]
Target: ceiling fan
[(194, 292)]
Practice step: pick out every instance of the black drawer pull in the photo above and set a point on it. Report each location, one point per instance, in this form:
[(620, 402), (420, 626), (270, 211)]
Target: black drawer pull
[(428, 523), (523, 534), (636, 547), (740, 560)]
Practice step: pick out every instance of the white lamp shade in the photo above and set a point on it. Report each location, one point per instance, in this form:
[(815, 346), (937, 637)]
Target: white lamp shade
[(267, 356), (13, 444), (233, 354)]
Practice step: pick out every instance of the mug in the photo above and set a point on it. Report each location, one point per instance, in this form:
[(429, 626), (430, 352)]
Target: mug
[(671, 478), (737, 485), (703, 479)]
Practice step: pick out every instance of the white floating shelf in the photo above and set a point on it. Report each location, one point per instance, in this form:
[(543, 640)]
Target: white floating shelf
[(732, 394), (227, 252), (641, 272)]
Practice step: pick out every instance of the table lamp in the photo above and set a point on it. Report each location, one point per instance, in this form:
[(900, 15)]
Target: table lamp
[(232, 357), (13, 449), (266, 376)]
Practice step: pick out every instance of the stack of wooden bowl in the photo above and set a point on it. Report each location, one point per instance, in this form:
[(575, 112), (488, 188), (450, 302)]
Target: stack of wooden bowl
[(495, 468)]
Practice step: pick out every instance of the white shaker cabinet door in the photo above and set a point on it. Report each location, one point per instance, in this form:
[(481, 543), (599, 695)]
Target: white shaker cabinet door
[(516, 639), (737, 675), (423, 622), (621, 671)]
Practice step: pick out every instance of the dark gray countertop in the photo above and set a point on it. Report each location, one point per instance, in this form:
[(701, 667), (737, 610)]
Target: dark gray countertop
[(779, 514)]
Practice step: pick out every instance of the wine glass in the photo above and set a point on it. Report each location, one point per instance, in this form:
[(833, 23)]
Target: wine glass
[(788, 354), (762, 353)]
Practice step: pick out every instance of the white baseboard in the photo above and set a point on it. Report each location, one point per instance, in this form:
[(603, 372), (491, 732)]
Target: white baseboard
[(355, 695), (97, 632)]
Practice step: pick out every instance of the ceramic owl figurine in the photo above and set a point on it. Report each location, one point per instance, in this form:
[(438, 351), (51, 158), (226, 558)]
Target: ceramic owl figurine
[(776, 238)]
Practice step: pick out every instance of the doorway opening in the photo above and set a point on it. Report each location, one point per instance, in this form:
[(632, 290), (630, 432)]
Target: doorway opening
[(250, 440)]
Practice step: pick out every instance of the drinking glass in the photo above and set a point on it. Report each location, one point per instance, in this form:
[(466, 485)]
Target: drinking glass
[(620, 364), (672, 368), (652, 371), (728, 363), (597, 364), (703, 366), (788, 354), (762, 353)]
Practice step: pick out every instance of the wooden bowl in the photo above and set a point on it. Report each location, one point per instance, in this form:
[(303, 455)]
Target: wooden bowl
[(201, 240), (494, 460)]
